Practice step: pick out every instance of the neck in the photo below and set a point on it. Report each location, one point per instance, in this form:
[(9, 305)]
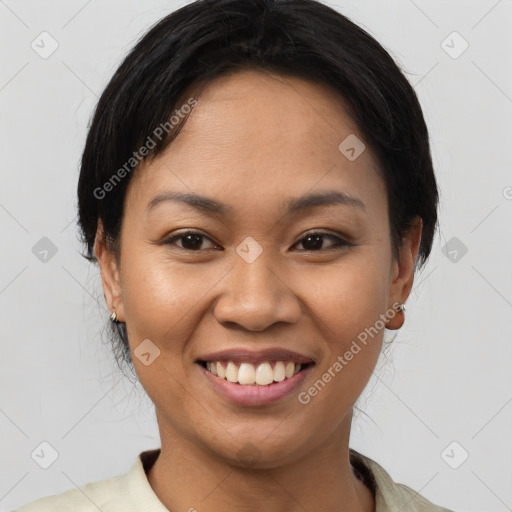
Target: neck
[(187, 476)]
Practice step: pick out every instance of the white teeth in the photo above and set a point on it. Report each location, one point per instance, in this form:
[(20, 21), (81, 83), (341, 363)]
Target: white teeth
[(232, 372), (221, 371), (264, 374), (246, 374), (249, 374), (279, 372), (289, 370)]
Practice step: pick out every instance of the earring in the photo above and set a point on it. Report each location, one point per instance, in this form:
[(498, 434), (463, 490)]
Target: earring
[(120, 326), (401, 308)]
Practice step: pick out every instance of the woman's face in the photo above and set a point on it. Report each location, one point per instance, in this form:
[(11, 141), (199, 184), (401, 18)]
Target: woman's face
[(249, 281)]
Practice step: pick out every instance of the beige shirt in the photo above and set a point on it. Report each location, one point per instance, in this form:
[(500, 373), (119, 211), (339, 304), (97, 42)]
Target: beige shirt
[(131, 492)]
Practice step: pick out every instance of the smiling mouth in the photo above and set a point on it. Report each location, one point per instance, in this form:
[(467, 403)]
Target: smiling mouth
[(248, 374)]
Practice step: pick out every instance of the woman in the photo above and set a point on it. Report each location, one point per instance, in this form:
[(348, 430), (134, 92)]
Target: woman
[(258, 191)]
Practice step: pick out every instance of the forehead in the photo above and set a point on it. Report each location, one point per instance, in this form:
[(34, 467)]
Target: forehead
[(256, 106), (255, 136)]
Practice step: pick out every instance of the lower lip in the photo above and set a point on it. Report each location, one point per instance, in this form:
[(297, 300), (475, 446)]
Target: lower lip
[(252, 395)]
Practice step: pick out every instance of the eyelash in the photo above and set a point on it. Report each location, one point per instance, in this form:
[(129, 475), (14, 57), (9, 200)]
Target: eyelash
[(339, 242)]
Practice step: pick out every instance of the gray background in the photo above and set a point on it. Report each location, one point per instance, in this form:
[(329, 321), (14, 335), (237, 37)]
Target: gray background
[(448, 377)]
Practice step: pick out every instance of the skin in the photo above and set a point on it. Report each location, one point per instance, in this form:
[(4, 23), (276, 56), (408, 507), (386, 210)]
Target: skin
[(253, 141)]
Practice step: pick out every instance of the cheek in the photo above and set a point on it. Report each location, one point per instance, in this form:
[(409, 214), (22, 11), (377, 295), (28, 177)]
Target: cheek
[(159, 294), (165, 302), (161, 302), (163, 299), (346, 303), (346, 297)]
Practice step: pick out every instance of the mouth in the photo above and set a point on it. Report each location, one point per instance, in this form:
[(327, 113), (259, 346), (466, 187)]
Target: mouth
[(245, 373), (249, 378)]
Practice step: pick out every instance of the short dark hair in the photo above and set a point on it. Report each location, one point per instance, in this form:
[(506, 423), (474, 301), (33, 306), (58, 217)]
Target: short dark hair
[(303, 38)]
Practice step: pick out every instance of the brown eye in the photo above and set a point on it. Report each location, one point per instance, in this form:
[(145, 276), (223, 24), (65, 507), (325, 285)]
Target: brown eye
[(314, 241), (190, 241)]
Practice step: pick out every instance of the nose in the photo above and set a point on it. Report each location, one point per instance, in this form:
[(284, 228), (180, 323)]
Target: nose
[(255, 296)]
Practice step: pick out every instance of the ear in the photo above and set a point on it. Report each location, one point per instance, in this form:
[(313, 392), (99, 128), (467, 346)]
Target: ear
[(109, 274), (402, 272)]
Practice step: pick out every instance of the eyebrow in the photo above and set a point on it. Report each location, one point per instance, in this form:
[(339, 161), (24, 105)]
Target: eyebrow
[(294, 205)]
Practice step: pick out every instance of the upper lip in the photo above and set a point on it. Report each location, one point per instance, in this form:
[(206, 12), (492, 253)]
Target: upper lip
[(256, 356)]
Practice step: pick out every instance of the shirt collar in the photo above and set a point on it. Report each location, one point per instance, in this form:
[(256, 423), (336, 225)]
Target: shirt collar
[(387, 493)]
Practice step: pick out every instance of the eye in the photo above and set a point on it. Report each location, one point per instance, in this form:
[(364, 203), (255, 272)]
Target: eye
[(313, 241), (191, 241)]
